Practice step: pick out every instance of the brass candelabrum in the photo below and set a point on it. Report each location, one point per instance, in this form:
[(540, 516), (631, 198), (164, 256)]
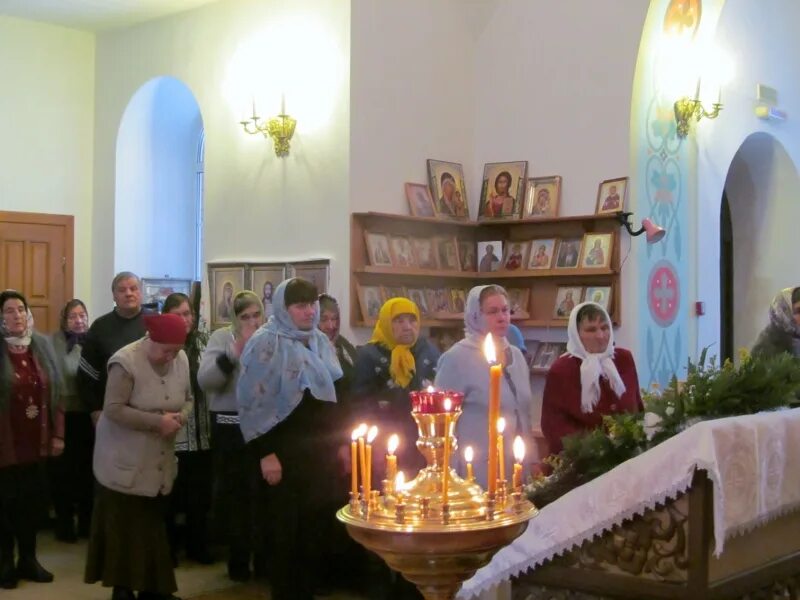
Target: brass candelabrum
[(437, 540)]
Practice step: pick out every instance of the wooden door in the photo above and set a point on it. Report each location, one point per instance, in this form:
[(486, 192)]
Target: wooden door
[(36, 258)]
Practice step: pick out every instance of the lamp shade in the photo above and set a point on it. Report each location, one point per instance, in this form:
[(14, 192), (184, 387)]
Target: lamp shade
[(653, 232)]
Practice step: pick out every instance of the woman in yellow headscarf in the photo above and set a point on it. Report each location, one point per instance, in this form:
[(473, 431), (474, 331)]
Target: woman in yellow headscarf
[(394, 362)]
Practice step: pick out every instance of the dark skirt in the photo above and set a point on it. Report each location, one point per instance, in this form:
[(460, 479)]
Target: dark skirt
[(128, 546)]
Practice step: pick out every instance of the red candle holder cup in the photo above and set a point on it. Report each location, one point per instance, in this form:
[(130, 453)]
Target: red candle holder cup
[(433, 402)]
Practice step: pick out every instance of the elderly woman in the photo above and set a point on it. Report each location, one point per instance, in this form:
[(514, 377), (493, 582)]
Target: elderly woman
[(329, 323), (71, 480), (286, 395), (463, 368), (148, 400), (592, 379), (191, 493), (235, 471), (396, 360), (782, 334), (31, 429)]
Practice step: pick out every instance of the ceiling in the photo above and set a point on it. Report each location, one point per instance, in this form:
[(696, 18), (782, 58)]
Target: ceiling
[(96, 15)]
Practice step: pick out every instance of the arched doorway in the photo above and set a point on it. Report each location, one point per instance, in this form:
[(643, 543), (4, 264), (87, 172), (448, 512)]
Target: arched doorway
[(158, 187), (762, 190), (726, 321)]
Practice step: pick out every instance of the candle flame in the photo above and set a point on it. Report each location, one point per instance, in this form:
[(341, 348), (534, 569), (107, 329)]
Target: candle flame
[(431, 389), (394, 442), (468, 454), (501, 425), (361, 429), (488, 349), (356, 434), (373, 433), (447, 404), (519, 449), (399, 482)]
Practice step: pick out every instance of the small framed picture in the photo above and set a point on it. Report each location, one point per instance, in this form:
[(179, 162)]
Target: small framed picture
[(547, 354), (531, 348), (518, 299), (402, 253), (503, 190), (315, 271), (611, 195), (447, 253), (458, 300), (438, 301), (424, 253), (369, 297), (597, 250), (567, 298), (569, 252), (378, 249), (516, 255), (541, 254), (599, 295), (263, 281), (448, 189), (155, 291), (417, 296), (224, 280), (392, 291), (467, 256), (489, 256), (543, 197), (419, 198)]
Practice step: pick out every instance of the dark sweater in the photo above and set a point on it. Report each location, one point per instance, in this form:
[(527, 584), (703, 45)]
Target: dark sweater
[(107, 334)]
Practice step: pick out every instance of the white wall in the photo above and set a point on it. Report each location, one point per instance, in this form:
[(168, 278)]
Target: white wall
[(156, 195), (46, 123), (763, 191), (257, 207), (762, 40)]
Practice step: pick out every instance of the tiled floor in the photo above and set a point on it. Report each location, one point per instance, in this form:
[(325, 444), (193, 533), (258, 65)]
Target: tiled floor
[(66, 561)]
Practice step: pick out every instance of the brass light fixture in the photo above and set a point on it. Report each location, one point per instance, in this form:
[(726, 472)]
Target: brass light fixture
[(280, 128), (686, 108)]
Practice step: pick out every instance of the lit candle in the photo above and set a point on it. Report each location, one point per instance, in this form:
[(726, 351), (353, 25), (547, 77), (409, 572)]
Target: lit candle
[(373, 432), (468, 454), (391, 459), (400, 505), (501, 426), (354, 462), (446, 462), (519, 454), (495, 372), (362, 455)]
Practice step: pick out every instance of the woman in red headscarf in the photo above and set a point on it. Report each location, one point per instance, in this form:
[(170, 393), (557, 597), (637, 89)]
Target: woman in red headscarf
[(148, 399)]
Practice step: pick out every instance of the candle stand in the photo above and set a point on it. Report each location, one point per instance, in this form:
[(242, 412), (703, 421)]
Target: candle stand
[(436, 542)]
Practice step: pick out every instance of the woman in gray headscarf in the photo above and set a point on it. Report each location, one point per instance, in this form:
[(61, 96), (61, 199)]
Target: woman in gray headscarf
[(783, 332), (463, 368)]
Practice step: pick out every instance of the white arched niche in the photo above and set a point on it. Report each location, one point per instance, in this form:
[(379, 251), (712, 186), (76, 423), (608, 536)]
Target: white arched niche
[(763, 191), (158, 187)]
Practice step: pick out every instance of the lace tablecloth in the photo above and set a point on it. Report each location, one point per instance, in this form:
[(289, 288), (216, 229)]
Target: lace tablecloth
[(751, 461)]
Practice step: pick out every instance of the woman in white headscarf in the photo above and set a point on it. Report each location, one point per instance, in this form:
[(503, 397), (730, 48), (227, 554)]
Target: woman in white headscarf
[(463, 368), (592, 379)]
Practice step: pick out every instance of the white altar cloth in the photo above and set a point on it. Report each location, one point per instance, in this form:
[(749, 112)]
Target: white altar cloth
[(752, 462)]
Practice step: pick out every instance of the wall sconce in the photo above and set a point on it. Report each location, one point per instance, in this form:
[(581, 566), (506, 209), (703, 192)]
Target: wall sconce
[(654, 233), (279, 128), (686, 108)]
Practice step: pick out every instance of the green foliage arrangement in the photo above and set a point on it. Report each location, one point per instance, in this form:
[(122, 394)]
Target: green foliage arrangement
[(710, 391)]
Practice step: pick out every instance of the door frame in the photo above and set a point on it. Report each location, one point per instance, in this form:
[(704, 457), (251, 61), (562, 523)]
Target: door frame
[(66, 221)]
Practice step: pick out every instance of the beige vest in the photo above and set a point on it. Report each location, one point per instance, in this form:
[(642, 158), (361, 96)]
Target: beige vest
[(134, 461)]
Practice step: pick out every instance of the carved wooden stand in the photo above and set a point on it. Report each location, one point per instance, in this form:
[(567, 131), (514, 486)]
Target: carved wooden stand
[(668, 553)]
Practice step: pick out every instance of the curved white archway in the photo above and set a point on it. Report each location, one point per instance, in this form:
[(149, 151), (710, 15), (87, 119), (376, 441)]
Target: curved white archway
[(158, 188)]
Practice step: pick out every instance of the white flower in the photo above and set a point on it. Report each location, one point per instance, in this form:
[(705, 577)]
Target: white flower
[(651, 424), (669, 411)]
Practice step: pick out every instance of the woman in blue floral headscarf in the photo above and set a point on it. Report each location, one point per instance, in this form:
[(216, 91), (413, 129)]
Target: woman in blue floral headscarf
[(782, 334), (287, 410)]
